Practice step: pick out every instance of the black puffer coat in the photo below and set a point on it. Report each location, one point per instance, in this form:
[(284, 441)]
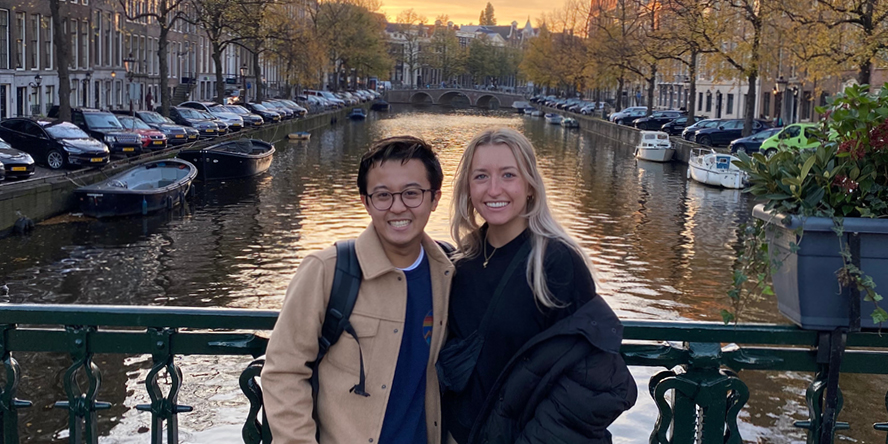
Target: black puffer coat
[(565, 386)]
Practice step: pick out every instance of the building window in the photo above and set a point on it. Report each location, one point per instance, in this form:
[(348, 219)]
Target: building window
[(117, 41), (766, 103), (708, 103), (4, 39), (75, 47), (700, 102), (49, 90), (807, 98), (729, 108), (46, 24), (106, 38), (20, 41), (34, 52), (98, 55), (84, 43)]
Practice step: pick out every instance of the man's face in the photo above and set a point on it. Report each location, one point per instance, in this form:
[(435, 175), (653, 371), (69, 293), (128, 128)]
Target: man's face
[(399, 227)]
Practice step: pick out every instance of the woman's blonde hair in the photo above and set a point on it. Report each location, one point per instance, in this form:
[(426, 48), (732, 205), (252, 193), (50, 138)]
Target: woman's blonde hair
[(464, 225)]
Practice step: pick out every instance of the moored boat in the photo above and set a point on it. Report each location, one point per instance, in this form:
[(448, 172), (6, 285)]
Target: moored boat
[(299, 135), (529, 110), (231, 159), (554, 119), (654, 146), (357, 114), (143, 189), (380, 105), (537, 113), (570, 122), (712, 168)]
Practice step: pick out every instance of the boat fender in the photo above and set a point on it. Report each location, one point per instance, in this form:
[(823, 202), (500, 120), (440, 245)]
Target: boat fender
[(23, 225), (144, 206), (170, 202), (181, 197)]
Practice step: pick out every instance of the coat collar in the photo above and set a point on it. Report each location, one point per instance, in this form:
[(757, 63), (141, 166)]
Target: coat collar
[(375, 263)]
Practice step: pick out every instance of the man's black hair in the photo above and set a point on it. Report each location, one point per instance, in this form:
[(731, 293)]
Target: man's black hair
[(403, 148)]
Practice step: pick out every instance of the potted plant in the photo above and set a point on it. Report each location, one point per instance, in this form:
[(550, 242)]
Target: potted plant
[(821, 234)]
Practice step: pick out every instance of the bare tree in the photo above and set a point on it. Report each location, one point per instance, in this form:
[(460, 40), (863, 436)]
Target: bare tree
[(63, 57)]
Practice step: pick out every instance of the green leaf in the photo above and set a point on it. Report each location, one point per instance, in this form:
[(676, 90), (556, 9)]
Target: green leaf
[(806, 168), (767, 291), (879, 315), (728, 317)]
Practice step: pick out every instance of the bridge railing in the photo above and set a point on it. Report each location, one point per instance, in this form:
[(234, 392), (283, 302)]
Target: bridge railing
[(699, 393)]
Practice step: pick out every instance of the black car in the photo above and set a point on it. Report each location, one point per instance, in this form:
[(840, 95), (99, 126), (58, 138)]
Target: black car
[(268, 115), (656, 120), (176, 134), (751, 144), (675, 127), (250, 120), (286, 113), (726, 131), (690, 132), (104, 126), (53, 142), (192, 118), (629, 118), (18, 164)]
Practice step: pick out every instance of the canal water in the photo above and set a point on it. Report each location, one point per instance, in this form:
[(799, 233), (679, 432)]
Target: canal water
[(663, 248)]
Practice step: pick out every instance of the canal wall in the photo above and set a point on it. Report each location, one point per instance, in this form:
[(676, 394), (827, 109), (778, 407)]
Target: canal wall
[(40, 198), (628, 136)]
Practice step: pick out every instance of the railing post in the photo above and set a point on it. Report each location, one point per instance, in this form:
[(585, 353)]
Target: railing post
[(717, 394), (254, 431), (9, 405), (82, 405), (163, 408), (823, 396)]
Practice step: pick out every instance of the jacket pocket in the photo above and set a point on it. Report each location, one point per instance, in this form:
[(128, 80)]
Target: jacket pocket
[(345, 353)]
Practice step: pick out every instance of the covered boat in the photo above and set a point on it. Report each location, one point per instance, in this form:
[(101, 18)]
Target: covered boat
[(231, 159), (713, 168), (554, 119), (570, 122), (146, 188), (357, 114), (654, 146), (299, 135), (380, 105)]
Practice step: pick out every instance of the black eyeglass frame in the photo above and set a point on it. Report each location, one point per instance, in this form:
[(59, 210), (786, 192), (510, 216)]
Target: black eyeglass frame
[(400, 195)]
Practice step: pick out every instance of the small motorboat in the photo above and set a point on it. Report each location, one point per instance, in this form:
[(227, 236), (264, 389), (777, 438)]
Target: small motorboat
[(357, 114), (299, 135), (529, 111), (152, 186), (654, 146), (380, 105), (554, 119), (231, 159), (712, 168), (537, 113), (570, 122)]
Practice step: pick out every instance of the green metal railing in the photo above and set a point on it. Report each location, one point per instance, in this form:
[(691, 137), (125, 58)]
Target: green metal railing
[(699, 394)]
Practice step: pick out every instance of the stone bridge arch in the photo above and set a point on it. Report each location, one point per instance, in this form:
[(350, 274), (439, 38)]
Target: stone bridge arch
[(422, 98), (488, 101), (457, 99)]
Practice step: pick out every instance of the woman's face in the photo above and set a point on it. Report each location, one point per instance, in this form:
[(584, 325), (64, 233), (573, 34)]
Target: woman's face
[(498, 191)]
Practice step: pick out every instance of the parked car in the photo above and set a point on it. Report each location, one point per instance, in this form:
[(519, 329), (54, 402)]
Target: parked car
[(222, 124), (689, 132), (250, 120), (234, 122), (628, 118), (268, 115), (286, 113), (18, 164), (152, 139), (300, 111), (175, 134), (54, 143), (192, 118), (794, 136), (726, 131), (104, 126), (657, 119), (625, 112), (751, 144)]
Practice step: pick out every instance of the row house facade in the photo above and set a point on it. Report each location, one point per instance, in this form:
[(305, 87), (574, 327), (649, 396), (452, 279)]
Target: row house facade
[(113, 58)]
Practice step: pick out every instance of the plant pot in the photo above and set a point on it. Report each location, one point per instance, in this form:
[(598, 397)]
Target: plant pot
[(807, 289)]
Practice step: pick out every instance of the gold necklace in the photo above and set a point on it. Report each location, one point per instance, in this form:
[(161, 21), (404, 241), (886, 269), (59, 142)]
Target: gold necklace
[(486, 257)]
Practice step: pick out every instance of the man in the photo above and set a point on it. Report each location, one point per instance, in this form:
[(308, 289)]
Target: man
[(380, 386)]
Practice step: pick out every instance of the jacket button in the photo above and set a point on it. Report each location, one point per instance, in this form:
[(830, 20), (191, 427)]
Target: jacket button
[(399, 278), (396, 330), (383, 386), (371, 439), (447, 273)]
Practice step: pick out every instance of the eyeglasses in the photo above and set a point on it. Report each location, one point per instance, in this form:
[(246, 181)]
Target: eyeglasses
[(411, 197)]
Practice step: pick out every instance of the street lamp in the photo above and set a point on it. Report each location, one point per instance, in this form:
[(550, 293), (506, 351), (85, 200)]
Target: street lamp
[(243, 73), (36, 85), (780, 86), (128, 65)]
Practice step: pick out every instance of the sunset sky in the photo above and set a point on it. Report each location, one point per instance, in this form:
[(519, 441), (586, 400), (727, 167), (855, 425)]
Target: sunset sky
[(463, 12)]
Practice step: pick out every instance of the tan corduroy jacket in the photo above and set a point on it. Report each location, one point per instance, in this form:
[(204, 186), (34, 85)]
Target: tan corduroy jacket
[(378, 319)]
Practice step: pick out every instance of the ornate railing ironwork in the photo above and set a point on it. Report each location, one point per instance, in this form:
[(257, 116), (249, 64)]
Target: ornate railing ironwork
[(698, 394)]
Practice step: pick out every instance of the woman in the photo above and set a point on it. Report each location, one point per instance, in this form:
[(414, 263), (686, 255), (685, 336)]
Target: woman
[(533, 353)]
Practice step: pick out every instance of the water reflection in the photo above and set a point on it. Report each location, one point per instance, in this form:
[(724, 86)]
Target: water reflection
[(663, 248)]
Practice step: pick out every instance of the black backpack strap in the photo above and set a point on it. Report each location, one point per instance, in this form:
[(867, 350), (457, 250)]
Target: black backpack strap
[(447, 247), (343, 295)]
